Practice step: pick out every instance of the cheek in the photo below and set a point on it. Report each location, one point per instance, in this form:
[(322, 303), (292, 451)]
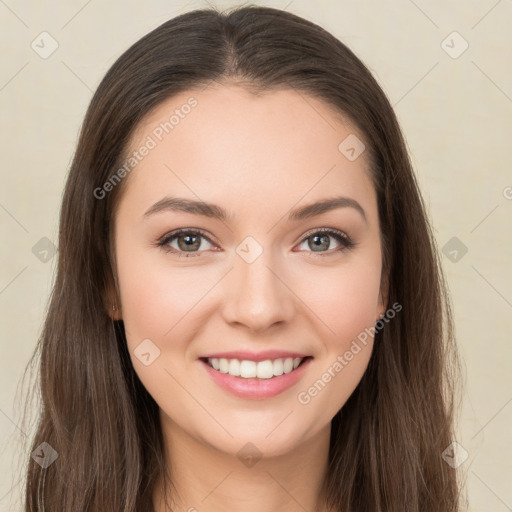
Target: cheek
[(155, 298), (157, 303), (348, 307), (347, 348), (334, 383), (344, 301)]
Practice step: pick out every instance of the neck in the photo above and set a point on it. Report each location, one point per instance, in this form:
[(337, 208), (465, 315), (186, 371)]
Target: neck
[(206, 479)]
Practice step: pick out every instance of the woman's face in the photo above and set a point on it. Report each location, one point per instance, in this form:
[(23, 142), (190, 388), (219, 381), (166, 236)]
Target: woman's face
[(260, 281)]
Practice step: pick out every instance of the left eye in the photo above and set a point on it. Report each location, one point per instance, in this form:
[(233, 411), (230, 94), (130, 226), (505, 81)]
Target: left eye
[(189, 241), (320, 239)]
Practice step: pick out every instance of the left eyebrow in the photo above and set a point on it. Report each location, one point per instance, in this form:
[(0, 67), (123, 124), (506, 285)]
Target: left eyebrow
[(180, 204), (311, 210)]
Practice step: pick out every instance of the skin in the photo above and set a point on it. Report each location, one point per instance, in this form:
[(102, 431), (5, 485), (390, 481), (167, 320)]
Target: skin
[(258, 157)]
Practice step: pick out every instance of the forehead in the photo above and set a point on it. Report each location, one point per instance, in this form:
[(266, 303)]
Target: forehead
[(224, 143)]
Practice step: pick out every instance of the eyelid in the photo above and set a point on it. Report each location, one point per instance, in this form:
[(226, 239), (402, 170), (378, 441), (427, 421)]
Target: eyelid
[(171, 234), (307, 234)]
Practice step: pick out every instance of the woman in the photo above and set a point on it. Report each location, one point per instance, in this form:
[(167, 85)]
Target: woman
[(249, 312)]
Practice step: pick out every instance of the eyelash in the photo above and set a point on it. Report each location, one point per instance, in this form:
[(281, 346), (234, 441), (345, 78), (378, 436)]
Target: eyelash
[(345, 241)]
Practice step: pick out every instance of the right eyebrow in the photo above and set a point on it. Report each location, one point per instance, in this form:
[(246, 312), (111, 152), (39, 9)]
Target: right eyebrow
[(181, 204)]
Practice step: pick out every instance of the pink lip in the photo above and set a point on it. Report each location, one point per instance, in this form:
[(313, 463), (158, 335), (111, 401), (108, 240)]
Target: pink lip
[(255, 356), (254, 388)]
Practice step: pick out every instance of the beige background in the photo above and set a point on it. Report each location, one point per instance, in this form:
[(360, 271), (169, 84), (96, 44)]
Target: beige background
[(456, 114)]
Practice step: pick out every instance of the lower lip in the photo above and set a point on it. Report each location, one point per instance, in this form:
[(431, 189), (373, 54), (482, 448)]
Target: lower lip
[(254, 388)]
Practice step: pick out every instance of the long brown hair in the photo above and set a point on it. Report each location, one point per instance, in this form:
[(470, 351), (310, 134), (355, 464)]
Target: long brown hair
[(387, 440)]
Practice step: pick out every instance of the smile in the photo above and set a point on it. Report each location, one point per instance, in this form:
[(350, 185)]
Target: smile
[(260, 369), (256, 380)]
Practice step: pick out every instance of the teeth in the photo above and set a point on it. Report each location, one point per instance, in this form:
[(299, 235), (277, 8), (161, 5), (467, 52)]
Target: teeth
[(250, 369), (234, 367), (288, 365), (277, 367)]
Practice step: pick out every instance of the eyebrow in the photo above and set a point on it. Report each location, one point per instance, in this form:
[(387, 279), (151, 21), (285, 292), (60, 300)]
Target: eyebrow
[(179, 204)]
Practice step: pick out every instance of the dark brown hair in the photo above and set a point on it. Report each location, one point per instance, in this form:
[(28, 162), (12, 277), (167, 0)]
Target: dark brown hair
[(387, 440)]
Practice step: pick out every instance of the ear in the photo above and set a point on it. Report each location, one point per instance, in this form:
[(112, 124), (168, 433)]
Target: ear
[(111, 301), (383, 295)]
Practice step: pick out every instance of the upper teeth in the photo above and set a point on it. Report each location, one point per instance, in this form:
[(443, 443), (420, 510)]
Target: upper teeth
[(248, 369)]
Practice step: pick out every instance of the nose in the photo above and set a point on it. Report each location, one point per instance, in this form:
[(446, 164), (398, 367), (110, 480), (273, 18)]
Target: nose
[(257, 294)]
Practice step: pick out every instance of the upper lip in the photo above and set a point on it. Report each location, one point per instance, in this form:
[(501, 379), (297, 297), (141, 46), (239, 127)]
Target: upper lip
[(255, 356)]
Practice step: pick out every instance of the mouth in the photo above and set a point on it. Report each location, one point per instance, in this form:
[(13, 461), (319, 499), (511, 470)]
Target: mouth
[(250, 369), (255, 380)]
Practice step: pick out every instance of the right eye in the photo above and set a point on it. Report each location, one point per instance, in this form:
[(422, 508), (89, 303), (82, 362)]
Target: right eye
[(187, 240)]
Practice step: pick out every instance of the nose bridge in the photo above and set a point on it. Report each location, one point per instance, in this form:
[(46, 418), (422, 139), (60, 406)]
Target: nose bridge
[(258, 297)]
